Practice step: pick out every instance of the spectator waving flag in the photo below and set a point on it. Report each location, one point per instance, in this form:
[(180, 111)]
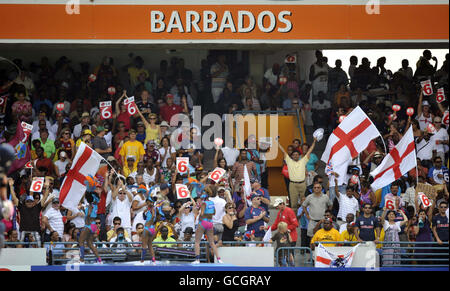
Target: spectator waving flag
[(400, 160), (351, 137), (20, 145), (326, 259), (86, 162), (247, 187)]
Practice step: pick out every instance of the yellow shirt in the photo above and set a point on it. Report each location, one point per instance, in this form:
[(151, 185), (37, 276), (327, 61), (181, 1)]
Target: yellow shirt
[(159, 239), (324, 236), (297, 170), (345, 236), (158, 235), (127, 171), (132, 148), (151, 134), (135, 72)]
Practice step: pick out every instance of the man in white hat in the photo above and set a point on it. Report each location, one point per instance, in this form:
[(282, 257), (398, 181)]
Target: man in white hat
[(424, 115)]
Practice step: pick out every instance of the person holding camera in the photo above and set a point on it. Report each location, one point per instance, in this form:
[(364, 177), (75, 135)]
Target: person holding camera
[(230, 222)]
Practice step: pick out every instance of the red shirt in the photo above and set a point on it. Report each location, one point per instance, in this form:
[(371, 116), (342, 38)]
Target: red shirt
[(287, 215), (46, 163), (125, 118), (167, 111)]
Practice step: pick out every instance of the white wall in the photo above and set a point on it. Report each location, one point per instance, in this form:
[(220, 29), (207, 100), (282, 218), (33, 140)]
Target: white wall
[(248, 256)]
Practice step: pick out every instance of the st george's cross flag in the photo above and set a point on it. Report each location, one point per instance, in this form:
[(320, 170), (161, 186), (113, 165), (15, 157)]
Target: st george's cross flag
[(351, 137), (327, 259), (400, 160), (86, 162)]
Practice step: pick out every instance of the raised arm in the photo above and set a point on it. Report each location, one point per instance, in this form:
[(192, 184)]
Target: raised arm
[(13, 193), (419, 106), (118, 102), (146, 124)]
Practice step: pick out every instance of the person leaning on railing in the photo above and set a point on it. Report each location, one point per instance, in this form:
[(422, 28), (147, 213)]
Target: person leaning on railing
[(327, 234)]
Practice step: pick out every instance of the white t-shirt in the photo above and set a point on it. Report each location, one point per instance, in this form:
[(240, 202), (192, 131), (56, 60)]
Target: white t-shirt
[(424, 121), (55, 219), (219, 205), (230, 155), (61, 166), (122, 210), (78, 220), (139, 218), (162, 151), (441, 135), (395, 226), (77, 130), (271, 77), (347, 205), (321, 106), (425, 149), (186, 221)]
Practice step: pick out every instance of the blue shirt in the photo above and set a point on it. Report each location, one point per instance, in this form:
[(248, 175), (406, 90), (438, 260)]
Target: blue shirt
[(312, 161), (303, 220), (367, 227), (249, 214), (255, 154)]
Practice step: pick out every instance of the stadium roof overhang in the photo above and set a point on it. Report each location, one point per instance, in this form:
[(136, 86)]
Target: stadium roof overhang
[(228, 25)]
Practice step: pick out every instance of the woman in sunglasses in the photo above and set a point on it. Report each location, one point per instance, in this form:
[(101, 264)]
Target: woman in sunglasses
[(67, 143), (152, 130)]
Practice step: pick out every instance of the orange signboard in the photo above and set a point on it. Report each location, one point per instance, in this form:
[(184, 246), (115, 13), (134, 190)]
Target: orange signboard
[(223, 22)]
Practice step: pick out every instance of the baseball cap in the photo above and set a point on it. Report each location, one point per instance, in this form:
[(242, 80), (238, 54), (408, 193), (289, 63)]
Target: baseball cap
[(254, 195), (110, 159), (85, 114), (254, 180), (100, 129), (277, 202), (87, 131), (164, 123), (29, 197), (220, 189), (131, 158), (169, 96), (237, 233), (55, 200), (188, 230), (140, 123), (425, 103)]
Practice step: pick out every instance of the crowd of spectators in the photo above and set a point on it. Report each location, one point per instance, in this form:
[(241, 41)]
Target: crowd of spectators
[(140, 149)]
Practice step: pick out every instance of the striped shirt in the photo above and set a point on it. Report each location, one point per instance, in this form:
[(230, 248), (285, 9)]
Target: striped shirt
[(346, 206), (55, 220)]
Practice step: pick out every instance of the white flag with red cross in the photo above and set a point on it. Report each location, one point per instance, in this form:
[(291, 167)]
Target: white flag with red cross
[(400, 160), (86, 162), (351, 137)]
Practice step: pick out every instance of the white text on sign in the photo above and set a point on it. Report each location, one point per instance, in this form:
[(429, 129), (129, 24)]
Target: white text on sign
[(243, 22)]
